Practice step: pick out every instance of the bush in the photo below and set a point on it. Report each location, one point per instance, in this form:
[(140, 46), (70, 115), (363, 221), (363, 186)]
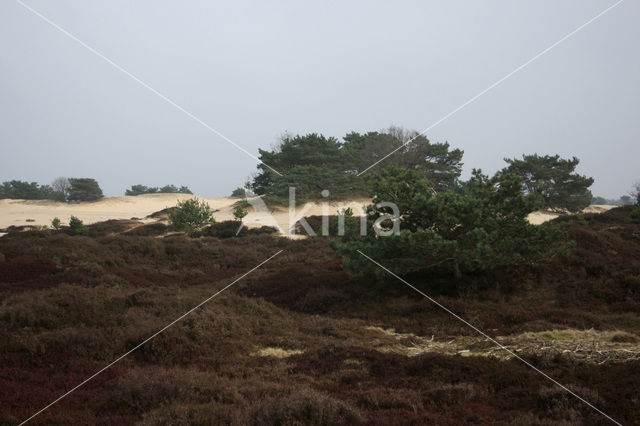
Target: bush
[(239, 193), (191, 216), (239, 213), (55, 223), (76, 227), (225, 229)]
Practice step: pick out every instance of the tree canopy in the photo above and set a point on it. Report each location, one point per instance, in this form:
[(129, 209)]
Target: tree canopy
[(553, 180), (440, 165), (84, 189), (313, 163), (17, 189)]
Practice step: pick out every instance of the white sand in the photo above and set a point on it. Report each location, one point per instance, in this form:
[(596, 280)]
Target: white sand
[(17, 212)]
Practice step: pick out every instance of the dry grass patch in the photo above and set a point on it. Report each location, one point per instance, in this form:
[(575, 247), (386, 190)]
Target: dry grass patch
[(276, 352)]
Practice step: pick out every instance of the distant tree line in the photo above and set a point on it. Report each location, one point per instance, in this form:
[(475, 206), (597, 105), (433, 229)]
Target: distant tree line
[(167, 189), (625, 200), (61, 189)]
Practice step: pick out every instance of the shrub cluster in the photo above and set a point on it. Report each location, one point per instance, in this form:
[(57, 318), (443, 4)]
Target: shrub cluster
[(167, 189)]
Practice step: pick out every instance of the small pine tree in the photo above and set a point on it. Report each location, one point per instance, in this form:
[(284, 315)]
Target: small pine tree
[(55, 223), (240, 212), (191, 216), (76, 227)]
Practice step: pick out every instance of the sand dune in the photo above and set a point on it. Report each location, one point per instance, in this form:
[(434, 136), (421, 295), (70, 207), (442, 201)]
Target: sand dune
[(26, 212), (23, 212), (540, 217)]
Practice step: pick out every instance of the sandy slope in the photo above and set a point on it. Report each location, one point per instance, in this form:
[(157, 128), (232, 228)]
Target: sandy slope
[(17, 212)]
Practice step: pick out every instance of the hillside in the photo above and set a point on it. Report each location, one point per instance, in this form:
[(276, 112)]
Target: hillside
[(299, 341)]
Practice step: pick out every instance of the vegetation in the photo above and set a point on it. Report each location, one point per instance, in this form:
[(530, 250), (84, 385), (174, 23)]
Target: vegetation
[(55, 223), (482, 226), (17, 189), (84, 189), (239, 212), (76, 227), (239, 193), (191, 216), (440, 165), (554, 181), (61, 189), (636, 193), (313, 163), (299, 342), (167, 189)]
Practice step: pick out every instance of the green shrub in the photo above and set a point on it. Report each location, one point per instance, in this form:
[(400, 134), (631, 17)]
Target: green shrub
[(191, 216), (55, 223), (239, 213), (76, 227)]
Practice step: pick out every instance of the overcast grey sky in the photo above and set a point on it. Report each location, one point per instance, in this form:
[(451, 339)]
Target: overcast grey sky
[(254, 70)]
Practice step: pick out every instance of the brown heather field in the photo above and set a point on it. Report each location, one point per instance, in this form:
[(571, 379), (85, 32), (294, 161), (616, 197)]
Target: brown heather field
[(299, 342)]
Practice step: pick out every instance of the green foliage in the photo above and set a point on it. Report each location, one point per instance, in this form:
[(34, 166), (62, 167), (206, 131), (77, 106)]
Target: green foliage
[(17, 189), (171, 189), (310, 181), (553, 180), (480, 227), (84, 189), (76, 227), (440, 165), (139, 190), (310, 150), (55, 223), (313, 163), (167, 189), (239, 193), (190, 216), (239, 213), (242, 204)]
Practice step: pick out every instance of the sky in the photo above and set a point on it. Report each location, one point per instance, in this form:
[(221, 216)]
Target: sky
[(252, 71)]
